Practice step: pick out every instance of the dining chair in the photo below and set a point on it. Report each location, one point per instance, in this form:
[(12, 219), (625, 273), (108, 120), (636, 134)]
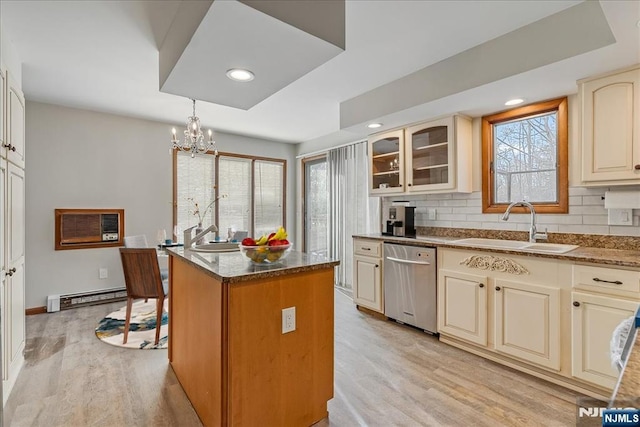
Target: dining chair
[(142, 279), (140, 241)]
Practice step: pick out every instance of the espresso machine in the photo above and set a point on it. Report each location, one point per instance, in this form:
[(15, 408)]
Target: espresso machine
[(400, 222)]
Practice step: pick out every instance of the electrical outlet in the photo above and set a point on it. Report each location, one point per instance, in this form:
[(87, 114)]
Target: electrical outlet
[(104, 273), (431, 213), (288, 320)]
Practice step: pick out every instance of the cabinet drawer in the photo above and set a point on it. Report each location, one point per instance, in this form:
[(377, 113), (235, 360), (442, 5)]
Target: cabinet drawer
[(367, 248), (604, 278)]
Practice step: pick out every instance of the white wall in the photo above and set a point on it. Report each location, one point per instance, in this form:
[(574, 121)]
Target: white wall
[(10, 59), (84, 159)]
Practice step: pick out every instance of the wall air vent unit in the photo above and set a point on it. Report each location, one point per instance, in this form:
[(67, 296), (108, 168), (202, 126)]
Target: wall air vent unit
[(88, 228)]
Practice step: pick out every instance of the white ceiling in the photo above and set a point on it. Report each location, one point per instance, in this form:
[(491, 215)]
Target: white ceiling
[(103, 56)]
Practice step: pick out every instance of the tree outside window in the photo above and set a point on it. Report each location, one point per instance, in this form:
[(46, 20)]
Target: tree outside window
[(524, 157)]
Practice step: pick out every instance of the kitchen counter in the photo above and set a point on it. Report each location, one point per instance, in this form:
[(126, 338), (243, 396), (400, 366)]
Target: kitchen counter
[(234, 267), (227, 346), (619, 257)]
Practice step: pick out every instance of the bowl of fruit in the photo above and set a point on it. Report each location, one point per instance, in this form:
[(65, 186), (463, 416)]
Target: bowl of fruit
[(267, 249)]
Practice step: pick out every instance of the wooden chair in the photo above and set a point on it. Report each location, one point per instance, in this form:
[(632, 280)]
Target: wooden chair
[(142, 279), (140, 241)]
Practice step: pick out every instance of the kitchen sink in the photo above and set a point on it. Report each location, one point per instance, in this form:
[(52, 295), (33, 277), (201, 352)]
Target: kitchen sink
[(556, 248), (493, 243), (216, 247)]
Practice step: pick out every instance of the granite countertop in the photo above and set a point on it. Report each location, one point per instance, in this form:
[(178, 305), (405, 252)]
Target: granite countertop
[(619, 257), (234, 267)]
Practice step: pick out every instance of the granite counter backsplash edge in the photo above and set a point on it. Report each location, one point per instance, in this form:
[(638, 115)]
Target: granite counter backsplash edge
[(587, 240)]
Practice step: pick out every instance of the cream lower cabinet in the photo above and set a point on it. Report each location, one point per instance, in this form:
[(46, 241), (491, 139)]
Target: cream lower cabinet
[(367, 274), (462, 305), (13, 295), (507, 305), (594, 318), (527, 322)]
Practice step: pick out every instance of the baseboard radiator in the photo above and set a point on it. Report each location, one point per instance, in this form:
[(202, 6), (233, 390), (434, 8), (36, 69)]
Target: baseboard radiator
[(83, 299)]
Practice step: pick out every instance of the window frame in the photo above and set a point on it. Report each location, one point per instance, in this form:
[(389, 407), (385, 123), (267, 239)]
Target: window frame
[(558, 105), (217, 189)]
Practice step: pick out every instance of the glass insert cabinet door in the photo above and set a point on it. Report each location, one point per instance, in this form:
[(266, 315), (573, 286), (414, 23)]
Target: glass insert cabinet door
[(386, 152), (429, 152)]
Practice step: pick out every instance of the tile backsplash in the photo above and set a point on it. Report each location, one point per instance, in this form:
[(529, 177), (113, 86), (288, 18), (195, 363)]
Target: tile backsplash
[(587, 214)]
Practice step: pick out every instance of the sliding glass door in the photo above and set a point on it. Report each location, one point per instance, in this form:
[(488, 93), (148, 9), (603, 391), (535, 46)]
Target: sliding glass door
[(316, 205)]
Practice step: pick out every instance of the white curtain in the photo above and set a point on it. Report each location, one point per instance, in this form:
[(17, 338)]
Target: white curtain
[(351, 210)]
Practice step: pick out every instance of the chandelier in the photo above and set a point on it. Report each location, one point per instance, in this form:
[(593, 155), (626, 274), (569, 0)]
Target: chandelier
[(193, 138)]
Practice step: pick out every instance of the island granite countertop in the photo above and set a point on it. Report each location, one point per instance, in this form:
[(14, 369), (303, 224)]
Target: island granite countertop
[(619, 257), (234, 267)]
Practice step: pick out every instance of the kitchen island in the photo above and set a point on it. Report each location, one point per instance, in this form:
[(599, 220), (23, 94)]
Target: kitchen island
[(226, 344)]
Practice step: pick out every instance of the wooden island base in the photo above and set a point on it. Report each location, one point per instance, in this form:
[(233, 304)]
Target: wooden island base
[(229, 353)]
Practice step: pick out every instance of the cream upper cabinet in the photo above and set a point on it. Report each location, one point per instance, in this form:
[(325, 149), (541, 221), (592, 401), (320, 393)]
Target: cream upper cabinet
[(527, 319), (3, 110), (610, 112), (462, 305), (594, 318), (15, 123), (367, 274), (429, 157), (386, 163), (438, 156)]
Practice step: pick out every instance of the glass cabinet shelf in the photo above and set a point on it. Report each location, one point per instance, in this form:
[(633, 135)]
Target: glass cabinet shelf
[(431, 167), (383, 155), (386, 173), (425, 147)]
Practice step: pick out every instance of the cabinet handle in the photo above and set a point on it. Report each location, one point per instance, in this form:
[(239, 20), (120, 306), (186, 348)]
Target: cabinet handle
[(11, 271), (366, 249), (576, 304), (13, 148), (481, 285), (616, 282), (498, 288), (637, 167)]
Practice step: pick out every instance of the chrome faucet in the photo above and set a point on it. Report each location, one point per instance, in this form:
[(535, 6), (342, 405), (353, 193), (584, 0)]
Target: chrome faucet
[(533, 232), (188, 240)]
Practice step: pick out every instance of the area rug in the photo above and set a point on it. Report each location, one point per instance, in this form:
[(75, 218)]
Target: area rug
[(142, 328)]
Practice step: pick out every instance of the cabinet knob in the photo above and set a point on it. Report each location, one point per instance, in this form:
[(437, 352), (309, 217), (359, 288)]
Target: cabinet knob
[(481, 285), (637, 167), (377, 266), (498, 288), (409, 185), (576, 304)]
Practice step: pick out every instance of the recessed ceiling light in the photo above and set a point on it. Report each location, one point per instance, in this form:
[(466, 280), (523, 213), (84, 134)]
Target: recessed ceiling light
[(374, 125), (240, 75), (514, 101)]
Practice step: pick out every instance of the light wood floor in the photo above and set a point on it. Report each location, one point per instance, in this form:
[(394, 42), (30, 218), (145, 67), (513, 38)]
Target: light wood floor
[(385, 375)]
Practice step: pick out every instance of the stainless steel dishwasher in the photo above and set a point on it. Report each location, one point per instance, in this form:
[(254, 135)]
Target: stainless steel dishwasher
[(410, 285)]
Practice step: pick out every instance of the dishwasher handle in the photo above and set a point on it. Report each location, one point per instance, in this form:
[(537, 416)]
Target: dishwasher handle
[(408, 261)]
